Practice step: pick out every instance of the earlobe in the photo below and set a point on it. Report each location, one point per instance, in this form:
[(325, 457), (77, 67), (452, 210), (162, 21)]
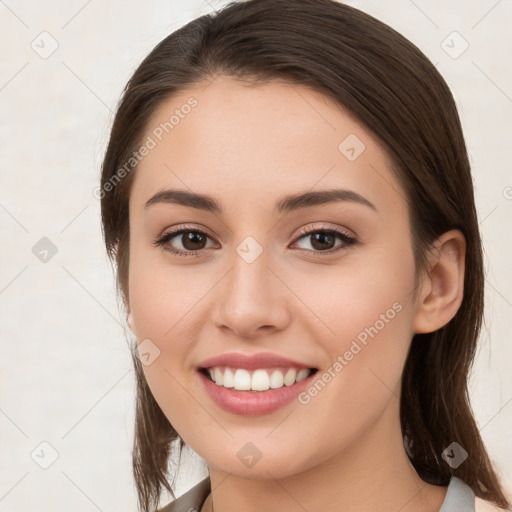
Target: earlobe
[(129, 319), (442, 289)]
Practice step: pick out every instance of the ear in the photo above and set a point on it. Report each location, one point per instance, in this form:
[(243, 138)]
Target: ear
[(441, 290), (129, 319)]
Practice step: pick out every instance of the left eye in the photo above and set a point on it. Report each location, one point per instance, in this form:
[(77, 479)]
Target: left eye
[(320, 238), (193, 240)]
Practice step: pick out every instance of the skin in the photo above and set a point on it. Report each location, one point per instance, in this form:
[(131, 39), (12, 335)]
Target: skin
[(248, 147)]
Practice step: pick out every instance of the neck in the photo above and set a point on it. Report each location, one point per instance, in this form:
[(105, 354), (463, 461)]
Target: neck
[(373, 473)]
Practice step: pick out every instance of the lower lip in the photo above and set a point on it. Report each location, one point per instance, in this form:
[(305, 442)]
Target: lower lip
[(253, 403)]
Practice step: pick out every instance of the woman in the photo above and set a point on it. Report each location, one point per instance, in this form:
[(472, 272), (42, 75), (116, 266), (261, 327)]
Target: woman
[(287, 196)]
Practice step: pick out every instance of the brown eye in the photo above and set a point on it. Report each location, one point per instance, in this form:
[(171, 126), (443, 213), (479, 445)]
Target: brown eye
[(323, 240), (192, 241)]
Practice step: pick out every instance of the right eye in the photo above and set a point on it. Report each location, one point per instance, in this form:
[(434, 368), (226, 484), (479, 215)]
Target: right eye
[(192, 241)]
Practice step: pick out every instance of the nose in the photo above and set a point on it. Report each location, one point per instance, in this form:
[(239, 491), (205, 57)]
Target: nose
[(251, 301)]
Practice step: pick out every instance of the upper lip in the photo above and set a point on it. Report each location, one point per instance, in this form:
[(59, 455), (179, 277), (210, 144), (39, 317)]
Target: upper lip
[(252, 361)]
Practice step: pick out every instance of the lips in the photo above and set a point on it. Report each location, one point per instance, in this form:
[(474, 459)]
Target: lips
[(252, 361), (250, 402)]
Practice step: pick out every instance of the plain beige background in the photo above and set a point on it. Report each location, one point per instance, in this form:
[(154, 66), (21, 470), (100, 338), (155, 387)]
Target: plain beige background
[(67, 389)]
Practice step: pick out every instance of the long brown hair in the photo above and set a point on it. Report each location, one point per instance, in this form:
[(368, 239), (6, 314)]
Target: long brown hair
[(390, 86)]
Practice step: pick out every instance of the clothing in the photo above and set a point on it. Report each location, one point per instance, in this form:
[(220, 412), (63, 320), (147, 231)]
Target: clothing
[(459, 498), (192, 500)]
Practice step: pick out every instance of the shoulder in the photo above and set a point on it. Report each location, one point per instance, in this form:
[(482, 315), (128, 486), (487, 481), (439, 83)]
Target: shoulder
[(192, 500)]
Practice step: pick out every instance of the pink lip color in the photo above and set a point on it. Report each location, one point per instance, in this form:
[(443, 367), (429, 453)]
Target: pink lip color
[(252, 403), (251, 361)]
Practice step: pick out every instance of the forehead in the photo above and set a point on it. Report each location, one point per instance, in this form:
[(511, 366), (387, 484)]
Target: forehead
[(263, 141)]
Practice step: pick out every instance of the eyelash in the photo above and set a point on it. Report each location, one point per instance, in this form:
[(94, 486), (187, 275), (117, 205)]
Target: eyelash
[(347, 239)]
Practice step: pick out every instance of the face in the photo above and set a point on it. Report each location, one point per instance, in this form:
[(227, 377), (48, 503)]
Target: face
[(326, 284)]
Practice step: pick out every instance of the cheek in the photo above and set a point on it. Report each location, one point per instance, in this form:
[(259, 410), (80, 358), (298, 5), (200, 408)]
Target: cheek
[(374, 291), (166, 303), (369, 315), (371, 322), (163, 298), (162, 315)]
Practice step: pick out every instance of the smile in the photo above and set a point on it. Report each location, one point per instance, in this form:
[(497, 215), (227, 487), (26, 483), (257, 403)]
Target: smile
[(260, 379), (264, 390)]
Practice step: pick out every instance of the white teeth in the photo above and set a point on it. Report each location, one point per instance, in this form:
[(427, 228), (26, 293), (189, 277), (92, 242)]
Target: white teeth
[(276, 379), (289, 378), (303, 373), (229, 378), (242, 380), (260, 380), (219, 376)]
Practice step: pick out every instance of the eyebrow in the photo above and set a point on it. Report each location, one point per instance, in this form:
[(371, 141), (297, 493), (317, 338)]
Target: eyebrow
[(284, 205)]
